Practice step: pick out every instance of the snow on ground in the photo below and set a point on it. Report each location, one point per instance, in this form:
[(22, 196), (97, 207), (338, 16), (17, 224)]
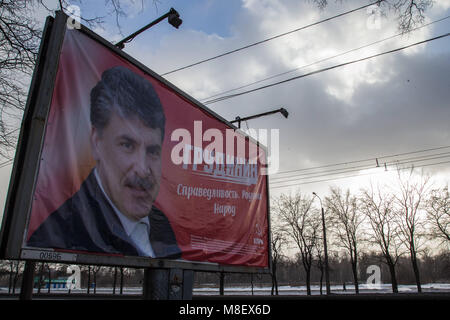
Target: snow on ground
[(266, 290), (315, 289)]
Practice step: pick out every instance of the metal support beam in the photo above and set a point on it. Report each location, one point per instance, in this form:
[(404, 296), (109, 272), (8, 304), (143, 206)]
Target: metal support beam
[(283, 111), (168, 284), (221, 284), (26, 291)]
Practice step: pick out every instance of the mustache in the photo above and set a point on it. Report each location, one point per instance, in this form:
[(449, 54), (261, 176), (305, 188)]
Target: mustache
[(139, 183)]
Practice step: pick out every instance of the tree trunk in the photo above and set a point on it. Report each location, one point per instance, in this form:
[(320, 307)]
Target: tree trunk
[(274, 279), (115, 280), (11, 264), (95, 281), (393, 276), (121, 280), (89, 280), (16, 277), (321, 279), (308, 281), (49, 278), (355, 275), (276, 285), (416, 270), (41, 271)]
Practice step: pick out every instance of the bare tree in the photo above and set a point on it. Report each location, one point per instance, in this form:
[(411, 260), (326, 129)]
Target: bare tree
[(95, 270), (302, 223), (409, 13), (411, 195), (20, 35), (19, 45), (16, 268), (347, 225), (438, 209), (378, 207), (41, 276)]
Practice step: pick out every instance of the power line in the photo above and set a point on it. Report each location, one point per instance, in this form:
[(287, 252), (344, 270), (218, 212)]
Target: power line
[(358, 168), (271, 38), (11, 132), (364, 160), (356, 175), (325, 69), (6, 163), (322, 60)]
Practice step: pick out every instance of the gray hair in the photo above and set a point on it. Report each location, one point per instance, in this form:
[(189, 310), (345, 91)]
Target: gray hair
[(129, 94)]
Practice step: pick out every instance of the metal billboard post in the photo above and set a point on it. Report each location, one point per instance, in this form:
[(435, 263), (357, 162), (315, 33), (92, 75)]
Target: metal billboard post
[(26, 160), (168, 284), (26, 290), (222, 283), (29, 145)]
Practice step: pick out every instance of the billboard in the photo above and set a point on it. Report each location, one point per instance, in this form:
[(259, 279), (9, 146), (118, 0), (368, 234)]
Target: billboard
[(131, 170)]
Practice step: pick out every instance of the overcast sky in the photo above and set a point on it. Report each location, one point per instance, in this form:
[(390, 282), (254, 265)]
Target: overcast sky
[(389, 105)]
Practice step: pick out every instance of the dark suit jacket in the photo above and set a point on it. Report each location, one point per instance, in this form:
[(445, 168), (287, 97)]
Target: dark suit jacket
[(87, 222)]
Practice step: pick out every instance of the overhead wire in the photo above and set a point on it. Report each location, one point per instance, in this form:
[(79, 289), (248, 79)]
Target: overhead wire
[(356, 175), (269, 39), (369, 159), (359, 168), (326, 69), (11, 132), (6, 163), (321, 60)]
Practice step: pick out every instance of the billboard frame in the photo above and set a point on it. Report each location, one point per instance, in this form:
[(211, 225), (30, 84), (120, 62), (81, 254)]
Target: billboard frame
[(28, 153)]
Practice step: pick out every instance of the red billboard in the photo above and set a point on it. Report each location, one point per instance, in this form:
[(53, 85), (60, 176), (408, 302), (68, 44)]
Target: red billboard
[(131, 166)]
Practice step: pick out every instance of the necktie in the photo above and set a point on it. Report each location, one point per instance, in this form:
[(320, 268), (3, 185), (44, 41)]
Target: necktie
[(141, 238)]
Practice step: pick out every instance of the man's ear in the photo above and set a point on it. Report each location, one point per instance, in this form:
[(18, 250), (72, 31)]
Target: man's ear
[(95, 137)]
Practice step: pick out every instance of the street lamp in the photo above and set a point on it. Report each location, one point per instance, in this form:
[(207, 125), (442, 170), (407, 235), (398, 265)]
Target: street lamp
[(173, 18), (327, 276), (283, 111)]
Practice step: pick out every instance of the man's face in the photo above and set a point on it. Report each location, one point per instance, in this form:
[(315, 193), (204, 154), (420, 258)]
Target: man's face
[(128, 156)]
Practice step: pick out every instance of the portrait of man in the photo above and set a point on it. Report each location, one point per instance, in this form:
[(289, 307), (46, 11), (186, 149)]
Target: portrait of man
[(113, 211)]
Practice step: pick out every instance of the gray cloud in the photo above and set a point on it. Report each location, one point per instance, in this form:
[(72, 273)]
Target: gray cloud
[(397, 103)]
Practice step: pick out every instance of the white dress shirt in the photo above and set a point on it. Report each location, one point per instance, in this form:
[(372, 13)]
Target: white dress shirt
[(138, 231)]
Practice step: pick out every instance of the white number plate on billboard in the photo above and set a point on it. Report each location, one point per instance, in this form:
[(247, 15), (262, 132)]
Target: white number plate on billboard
[(48, 255)]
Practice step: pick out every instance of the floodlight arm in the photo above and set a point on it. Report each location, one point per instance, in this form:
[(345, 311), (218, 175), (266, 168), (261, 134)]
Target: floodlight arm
[(174, 20), (283, 111)]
